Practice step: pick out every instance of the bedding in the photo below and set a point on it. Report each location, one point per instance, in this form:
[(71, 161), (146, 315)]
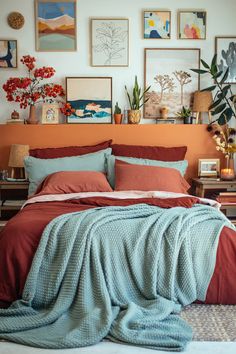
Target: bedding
[(66, 151), (37, 169), (150, 152), (181, 166)]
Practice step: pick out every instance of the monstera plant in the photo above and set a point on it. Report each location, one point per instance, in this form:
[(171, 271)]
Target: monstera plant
[(224, 101)]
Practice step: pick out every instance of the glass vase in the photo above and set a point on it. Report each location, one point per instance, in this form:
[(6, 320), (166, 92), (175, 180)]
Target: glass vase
[(228, 172)]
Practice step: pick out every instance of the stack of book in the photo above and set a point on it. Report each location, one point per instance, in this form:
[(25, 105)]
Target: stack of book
[(13, 203), (15, 121), (226, 198)]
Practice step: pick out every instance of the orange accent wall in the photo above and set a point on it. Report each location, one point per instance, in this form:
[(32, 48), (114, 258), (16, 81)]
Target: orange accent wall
[(198, 140)]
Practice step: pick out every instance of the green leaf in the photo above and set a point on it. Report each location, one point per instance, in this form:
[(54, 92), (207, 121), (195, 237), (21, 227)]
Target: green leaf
[(225, 116), (215, 104), (218, 74), (199, 71), (210, 88), (214, 70), (214, 60), (225, 76), (205, 64), (219, 109)]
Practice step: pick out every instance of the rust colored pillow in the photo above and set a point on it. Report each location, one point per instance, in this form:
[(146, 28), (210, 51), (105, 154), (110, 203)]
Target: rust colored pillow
[(74, 182), (148, 178), (150, 152), (66, 151)]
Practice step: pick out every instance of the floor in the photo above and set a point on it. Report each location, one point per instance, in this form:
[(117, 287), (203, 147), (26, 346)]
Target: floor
[(112, 348)]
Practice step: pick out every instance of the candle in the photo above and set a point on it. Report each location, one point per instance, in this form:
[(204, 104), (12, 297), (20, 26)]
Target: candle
[(227, 174)]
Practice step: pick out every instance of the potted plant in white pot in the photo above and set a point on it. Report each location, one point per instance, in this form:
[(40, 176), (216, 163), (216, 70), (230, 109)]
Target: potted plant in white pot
[(136, 101)]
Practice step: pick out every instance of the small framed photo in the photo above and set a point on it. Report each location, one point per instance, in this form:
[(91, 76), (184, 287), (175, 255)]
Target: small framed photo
[(157, 24), (8, 53), (209, 167), (225, 49), (192, 24), (50, 113)]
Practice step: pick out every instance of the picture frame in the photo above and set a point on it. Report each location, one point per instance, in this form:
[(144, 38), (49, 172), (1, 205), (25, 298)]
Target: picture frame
[(55, 25), (165, 121), (168, 72), (192, 24), (8, 54), (209, 168), (50, 113), (224, 45), (91, 97), (109, 42), (156, 24)]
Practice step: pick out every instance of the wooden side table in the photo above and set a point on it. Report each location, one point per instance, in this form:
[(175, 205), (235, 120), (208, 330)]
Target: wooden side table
[(202, 185)]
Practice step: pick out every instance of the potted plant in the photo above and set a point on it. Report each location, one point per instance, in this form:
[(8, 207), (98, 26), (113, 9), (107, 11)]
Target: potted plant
[(186, 114), (136, 102), (117, 114)]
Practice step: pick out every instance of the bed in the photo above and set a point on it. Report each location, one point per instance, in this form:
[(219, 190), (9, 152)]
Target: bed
[(120, 258)]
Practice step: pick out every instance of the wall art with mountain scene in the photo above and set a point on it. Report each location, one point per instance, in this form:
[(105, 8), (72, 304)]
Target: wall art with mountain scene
[(55, 22)]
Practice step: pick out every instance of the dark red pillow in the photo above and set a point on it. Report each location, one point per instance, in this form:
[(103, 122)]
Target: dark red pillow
[(51, 153), (160, 153)]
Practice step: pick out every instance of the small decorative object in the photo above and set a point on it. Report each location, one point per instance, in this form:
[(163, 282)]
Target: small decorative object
[(90, 98), (224, 102), (117, 114), (109, 42), (157, 24), (172, 83), (202, 102), (164, 112), (192, 25), (8, 53), (208, 167), (166, 121), (50, 113), (29, 91), (228, 173), (136, 102), (15, 115), (186, 114), (16, 160), (15, 20), (225, 49), (67, 110), (55, 22)]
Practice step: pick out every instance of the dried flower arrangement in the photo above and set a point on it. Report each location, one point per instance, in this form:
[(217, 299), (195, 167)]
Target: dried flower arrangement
[(224, 137)]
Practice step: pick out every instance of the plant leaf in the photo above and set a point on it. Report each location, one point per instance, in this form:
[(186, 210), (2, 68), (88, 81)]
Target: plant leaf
[(210, 88), (219, 109), (205, 64), (215, 104), (214, 60), (199, 71), (225, 116), (225, 76)]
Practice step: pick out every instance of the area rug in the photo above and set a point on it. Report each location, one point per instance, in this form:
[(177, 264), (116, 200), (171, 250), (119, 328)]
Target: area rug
[(211, 322)]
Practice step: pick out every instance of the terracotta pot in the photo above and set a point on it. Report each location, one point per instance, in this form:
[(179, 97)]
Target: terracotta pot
[(134, 116), (32, 119), (118, 118), (15, 115)]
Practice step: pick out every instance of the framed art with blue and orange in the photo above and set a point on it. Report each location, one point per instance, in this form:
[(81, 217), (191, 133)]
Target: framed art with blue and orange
[(90, 98), (156, 24)]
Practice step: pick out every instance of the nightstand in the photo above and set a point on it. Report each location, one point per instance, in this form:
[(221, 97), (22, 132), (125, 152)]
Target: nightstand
[(11, 196)]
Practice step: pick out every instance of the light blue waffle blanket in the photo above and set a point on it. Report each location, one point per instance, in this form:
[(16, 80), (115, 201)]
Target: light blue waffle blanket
[(116, 272)]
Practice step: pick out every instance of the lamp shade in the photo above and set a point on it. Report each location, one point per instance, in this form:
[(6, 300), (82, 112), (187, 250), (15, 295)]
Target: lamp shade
[(202, 101), (17, 154)]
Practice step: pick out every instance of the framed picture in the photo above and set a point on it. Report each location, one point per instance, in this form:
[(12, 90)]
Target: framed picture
[(55, 25), (165, 121), (172, 82), (209, 167), (192, 24), (91, 97), (109, 42), (157, 24), (225, 48), (8, 53), (50, 113)]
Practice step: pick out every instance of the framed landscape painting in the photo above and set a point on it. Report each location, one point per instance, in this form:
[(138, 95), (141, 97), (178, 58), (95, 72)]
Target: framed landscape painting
[(109, 42), (172, 82), (55, 22), (226, 57), (157, 24), (91, 98), (8, 53), (192, 25)]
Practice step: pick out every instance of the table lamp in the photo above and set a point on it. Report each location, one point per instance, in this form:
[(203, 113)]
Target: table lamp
[(16, 160), (202, 100)]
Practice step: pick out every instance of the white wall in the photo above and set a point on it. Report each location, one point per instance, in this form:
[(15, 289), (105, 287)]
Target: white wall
[(220, 21)]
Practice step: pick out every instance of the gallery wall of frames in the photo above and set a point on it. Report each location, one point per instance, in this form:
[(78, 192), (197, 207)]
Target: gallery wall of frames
[(98, 47)]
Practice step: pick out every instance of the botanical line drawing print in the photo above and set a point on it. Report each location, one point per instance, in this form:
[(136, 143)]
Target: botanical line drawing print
[(111, 42), (183, 78), (166, 83)]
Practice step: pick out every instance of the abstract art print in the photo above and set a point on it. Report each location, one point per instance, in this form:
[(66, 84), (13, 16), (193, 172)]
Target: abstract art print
[(109, 42), (192, 25), (157, 24), (8, 53), (50, 113), (168, 71), (226, 57), (55, 22), (91, 98)]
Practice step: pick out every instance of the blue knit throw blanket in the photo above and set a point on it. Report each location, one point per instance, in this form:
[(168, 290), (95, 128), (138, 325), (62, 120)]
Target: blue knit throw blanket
[(116, 272)]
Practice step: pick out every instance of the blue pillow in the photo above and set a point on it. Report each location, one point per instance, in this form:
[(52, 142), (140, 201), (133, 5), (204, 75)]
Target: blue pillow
[(38, 169), (181, 166)]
